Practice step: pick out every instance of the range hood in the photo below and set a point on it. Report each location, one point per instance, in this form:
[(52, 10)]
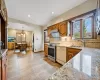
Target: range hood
[(55, 33)]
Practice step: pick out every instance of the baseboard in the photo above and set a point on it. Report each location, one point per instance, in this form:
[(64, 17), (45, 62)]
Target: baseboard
[(39, 51)]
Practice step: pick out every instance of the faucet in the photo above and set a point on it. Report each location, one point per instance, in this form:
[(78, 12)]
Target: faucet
[(83, 41)]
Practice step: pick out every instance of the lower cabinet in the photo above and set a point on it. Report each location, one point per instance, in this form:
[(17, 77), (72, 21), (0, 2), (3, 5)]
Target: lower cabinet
[(3, 67), (11, 45), (45, 49), (72, 52), (64, 54), (61, 55)]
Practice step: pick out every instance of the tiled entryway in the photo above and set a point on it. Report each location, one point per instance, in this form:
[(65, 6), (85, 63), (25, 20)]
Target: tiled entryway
[(29, 66)]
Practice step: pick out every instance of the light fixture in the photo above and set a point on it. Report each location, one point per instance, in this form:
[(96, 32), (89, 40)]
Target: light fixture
[(52, 12), (29, 16), (22, 32)]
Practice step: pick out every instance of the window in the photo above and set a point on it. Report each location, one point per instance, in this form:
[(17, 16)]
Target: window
[(83, 27), (87, 28), (76, 29)]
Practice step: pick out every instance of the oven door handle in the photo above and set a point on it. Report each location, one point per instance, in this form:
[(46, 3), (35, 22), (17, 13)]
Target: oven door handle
[(51, 47)]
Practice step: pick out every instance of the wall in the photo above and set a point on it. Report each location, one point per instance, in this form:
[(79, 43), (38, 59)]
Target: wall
[(12, 33), (35, 29), (78, 10)]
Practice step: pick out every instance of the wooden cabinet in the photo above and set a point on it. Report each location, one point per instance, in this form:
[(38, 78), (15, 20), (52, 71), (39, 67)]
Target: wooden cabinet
[(11, 45), (3, 10), (45, 49), (61, 55), (62, 28), (3, 66), (72, 52), (3, 23), (49, 31), (64, 54)]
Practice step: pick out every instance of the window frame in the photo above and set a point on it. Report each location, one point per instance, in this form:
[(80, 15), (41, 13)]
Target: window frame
[(81, 27)]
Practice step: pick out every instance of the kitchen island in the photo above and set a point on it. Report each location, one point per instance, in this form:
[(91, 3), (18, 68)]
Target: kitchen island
[(84, 66)]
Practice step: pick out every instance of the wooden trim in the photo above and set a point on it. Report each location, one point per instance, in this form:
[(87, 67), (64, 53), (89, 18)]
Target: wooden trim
[(93, 11), (92, 27), (81, 28), (71, 29)]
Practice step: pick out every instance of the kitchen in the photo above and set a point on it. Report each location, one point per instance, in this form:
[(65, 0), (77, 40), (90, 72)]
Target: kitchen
[(65, 48), (70, 44), (58, 40)]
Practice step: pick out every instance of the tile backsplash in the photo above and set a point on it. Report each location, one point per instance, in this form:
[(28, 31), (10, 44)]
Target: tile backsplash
[(92, 43)]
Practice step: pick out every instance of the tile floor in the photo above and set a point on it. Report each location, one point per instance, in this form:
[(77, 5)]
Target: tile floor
[(29, 66)]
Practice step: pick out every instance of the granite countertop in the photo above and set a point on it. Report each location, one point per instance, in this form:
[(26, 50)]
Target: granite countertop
[(77, 47), (2, 52), (84, 66)]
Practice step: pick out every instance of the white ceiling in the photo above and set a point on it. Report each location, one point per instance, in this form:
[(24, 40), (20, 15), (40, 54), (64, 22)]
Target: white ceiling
[(40, 10)]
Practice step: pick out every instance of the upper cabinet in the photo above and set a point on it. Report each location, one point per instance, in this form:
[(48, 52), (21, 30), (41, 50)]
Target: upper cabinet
[(61, 27), (3, 10), (49, 31)]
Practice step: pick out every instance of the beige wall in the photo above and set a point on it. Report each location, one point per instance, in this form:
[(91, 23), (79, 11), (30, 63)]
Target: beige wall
[(35, 29), (83, 8), (12, 33)]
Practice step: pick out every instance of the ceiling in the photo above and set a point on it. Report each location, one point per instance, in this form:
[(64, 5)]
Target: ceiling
[(40, 11)]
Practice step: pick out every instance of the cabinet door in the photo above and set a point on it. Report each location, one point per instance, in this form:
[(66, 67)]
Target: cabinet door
[(45, 50), (4, 68), (72, 52), (70, 55), (49, 32), (63, 28)]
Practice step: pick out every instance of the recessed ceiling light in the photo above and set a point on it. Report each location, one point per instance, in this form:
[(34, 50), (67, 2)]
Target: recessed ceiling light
[(29, 15), (52, 12)]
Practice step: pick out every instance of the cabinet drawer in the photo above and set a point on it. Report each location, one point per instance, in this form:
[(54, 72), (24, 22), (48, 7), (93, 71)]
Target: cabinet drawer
[(72, 50)]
